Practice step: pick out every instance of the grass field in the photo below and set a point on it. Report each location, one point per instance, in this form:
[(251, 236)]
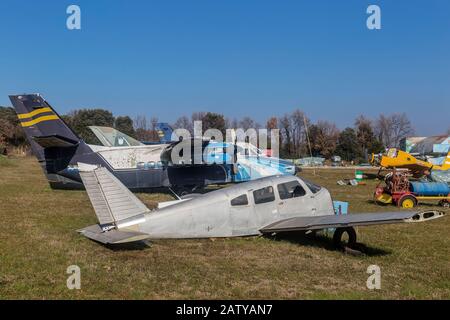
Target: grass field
[(38, 242)]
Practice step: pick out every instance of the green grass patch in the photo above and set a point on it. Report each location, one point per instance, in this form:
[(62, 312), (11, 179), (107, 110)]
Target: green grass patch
[(6, 162), (38, 241)]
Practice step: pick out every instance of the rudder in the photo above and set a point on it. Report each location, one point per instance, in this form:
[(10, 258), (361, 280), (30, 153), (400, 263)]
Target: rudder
[(113, 203), (42, 125)]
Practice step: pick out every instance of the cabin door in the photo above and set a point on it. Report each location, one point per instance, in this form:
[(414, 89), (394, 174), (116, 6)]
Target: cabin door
[(242, 216)]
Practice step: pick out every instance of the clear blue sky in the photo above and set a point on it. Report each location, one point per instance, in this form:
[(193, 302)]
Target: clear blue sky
[(256, 58)]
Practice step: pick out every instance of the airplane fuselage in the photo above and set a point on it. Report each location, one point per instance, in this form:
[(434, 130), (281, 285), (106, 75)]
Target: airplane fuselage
[(240, 210)]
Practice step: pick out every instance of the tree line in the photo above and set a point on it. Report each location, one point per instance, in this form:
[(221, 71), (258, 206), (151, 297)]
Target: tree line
[(299, 136)]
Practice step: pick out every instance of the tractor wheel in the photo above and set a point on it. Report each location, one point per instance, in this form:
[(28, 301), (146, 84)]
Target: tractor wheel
[(407, 202), (338, 240)]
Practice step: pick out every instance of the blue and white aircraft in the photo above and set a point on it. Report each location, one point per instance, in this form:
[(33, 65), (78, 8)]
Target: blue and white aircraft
[(138, 166)]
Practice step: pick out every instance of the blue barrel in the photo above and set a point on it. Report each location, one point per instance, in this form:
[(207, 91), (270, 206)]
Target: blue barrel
[(430, 188)]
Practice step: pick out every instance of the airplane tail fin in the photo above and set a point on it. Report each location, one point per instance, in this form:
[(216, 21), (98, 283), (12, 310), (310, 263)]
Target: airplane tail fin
[(112, 201), (43, 127), (116, 207), (164, 131)]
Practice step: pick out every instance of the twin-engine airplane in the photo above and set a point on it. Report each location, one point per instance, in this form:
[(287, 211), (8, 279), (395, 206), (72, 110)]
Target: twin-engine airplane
[(264, 206), (136, 165)]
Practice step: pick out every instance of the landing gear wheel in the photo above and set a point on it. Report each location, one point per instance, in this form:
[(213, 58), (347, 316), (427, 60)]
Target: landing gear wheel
[(407, 202), (339, 241)]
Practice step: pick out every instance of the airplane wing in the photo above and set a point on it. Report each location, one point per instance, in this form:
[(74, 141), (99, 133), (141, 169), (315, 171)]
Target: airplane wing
[(349, 220)]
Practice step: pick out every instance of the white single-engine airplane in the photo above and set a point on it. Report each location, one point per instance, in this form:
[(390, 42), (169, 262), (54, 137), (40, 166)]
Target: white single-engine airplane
[(264, 206)]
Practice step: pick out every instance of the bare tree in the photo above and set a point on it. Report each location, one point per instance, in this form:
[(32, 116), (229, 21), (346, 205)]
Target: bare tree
[(153, 123), (364, 131), (234, 123), (401, 127), (145, 128), (198, 116), (140, 122), (299, 119), (247, 123), (183, 122), (293, 133), (393, 128), (285, 130), (383, 130)]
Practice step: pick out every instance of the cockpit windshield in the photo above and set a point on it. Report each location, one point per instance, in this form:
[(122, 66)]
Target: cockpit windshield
[(312, 186), (111, 137)]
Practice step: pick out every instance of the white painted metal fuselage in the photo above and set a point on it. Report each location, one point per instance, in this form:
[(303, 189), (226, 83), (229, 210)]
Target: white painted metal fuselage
[(214, 215)]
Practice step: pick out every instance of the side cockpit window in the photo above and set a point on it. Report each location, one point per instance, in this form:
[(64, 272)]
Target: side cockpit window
[(264, 195), (242, 200), (291, 189)]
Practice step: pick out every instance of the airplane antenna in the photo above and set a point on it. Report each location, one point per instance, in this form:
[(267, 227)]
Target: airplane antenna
[(309, 143)]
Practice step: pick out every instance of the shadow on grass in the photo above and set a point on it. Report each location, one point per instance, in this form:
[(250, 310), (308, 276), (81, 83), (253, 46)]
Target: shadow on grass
[(131, 246), (320, 241), (380, 204), (371, 176)]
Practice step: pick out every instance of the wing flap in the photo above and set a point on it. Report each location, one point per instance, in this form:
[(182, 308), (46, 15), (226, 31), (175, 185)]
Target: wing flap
[(348, 220)]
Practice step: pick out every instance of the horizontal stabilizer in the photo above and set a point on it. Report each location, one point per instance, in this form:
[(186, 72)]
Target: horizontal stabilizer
[(348, 220), (113, 236), (55, 141)]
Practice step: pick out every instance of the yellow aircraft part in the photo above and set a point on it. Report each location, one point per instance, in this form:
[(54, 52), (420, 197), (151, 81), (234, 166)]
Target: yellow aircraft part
[(400, 159), (384, 198), (445, 165), (395, 158)]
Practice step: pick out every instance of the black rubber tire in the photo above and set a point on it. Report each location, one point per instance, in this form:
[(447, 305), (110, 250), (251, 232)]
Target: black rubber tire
[(339, 232), (402, 199)]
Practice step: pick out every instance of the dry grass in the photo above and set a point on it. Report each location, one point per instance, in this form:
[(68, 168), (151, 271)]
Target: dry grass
[(38, 242)]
